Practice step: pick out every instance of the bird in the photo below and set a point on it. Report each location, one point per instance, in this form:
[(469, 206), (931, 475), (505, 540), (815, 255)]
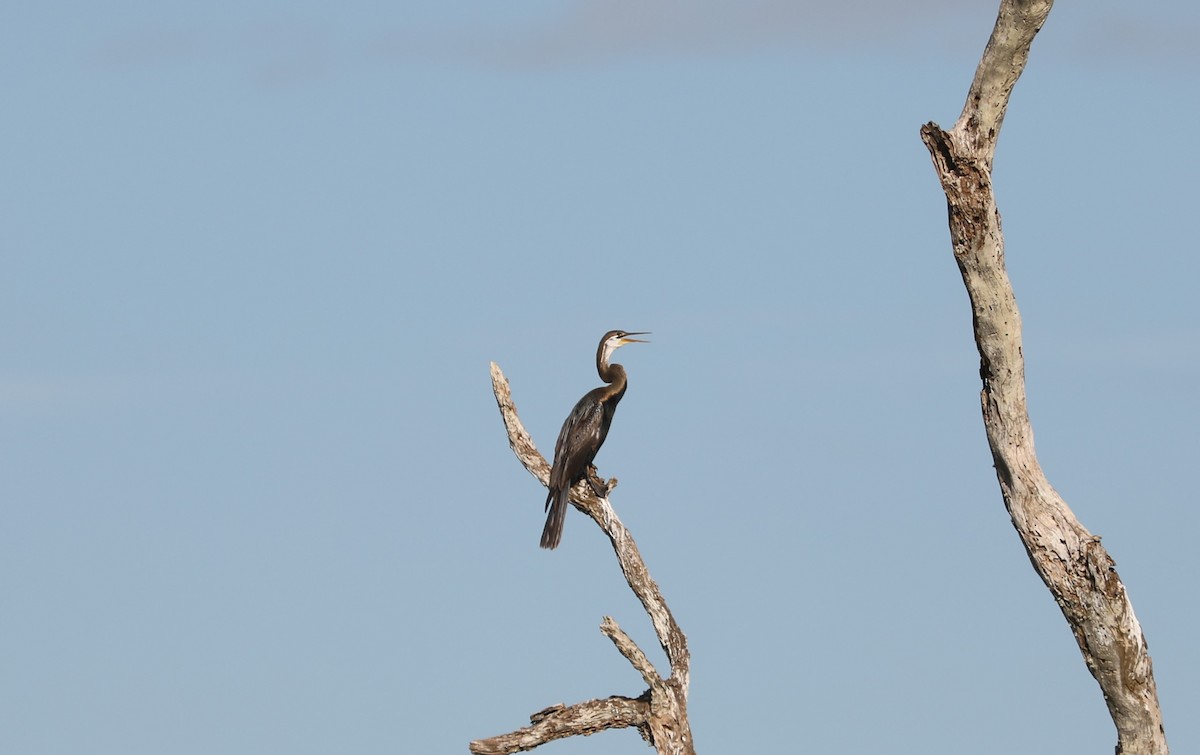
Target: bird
[(583, 433)]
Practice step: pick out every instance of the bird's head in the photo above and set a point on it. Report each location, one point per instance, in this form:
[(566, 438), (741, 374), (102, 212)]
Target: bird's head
[(615, 339)]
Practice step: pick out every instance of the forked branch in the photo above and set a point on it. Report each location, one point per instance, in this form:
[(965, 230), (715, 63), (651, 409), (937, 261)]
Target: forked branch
[(1069, 559)]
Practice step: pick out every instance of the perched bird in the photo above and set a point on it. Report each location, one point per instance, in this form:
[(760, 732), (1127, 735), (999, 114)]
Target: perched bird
[(583, 433)]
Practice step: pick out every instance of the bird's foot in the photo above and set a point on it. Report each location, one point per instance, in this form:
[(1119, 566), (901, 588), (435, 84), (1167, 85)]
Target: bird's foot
[(598, 484)]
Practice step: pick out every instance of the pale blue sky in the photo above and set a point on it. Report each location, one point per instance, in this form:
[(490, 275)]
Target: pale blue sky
[(256, 495)]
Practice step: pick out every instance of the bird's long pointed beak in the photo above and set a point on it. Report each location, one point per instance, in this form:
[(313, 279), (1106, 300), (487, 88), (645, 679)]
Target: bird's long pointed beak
[(627, 339)]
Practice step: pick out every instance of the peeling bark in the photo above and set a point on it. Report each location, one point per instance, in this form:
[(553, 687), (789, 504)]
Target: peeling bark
[(1070, 560)]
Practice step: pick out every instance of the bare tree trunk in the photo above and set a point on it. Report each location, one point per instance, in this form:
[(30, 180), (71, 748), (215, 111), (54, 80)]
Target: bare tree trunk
[(1069, 559), (660, 713)]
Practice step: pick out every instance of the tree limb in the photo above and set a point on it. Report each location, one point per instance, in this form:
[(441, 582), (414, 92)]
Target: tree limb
[(628, 648), (665, 722), (559, 722), (1070, 560)]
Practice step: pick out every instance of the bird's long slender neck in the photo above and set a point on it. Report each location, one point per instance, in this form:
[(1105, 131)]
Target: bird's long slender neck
[(614, 375)]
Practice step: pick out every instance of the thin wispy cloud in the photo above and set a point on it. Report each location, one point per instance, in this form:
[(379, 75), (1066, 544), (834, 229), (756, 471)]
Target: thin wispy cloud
[(590, 30), (599, 29), (284, 52)]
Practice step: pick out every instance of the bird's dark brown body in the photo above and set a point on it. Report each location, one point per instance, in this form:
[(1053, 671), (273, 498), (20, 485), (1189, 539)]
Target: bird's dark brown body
[(583, 433)]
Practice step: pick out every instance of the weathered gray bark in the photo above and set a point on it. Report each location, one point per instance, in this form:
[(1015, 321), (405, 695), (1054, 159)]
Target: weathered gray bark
[(660, 713), (1068, 558)]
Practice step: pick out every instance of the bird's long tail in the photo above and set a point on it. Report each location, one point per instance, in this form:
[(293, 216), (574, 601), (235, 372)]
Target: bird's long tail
[(557, 502)]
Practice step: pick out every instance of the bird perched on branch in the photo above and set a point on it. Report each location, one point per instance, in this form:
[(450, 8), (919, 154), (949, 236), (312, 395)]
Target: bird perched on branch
[(583, 433)]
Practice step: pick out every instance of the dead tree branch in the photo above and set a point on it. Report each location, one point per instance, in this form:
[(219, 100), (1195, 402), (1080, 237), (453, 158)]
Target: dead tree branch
[(559, 722), (661, 712), (1069, 559)]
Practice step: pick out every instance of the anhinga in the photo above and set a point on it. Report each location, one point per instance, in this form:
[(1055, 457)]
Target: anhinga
[(583, 433)]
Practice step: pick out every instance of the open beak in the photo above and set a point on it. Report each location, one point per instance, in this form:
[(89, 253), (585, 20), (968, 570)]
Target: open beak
[(627, 339)]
